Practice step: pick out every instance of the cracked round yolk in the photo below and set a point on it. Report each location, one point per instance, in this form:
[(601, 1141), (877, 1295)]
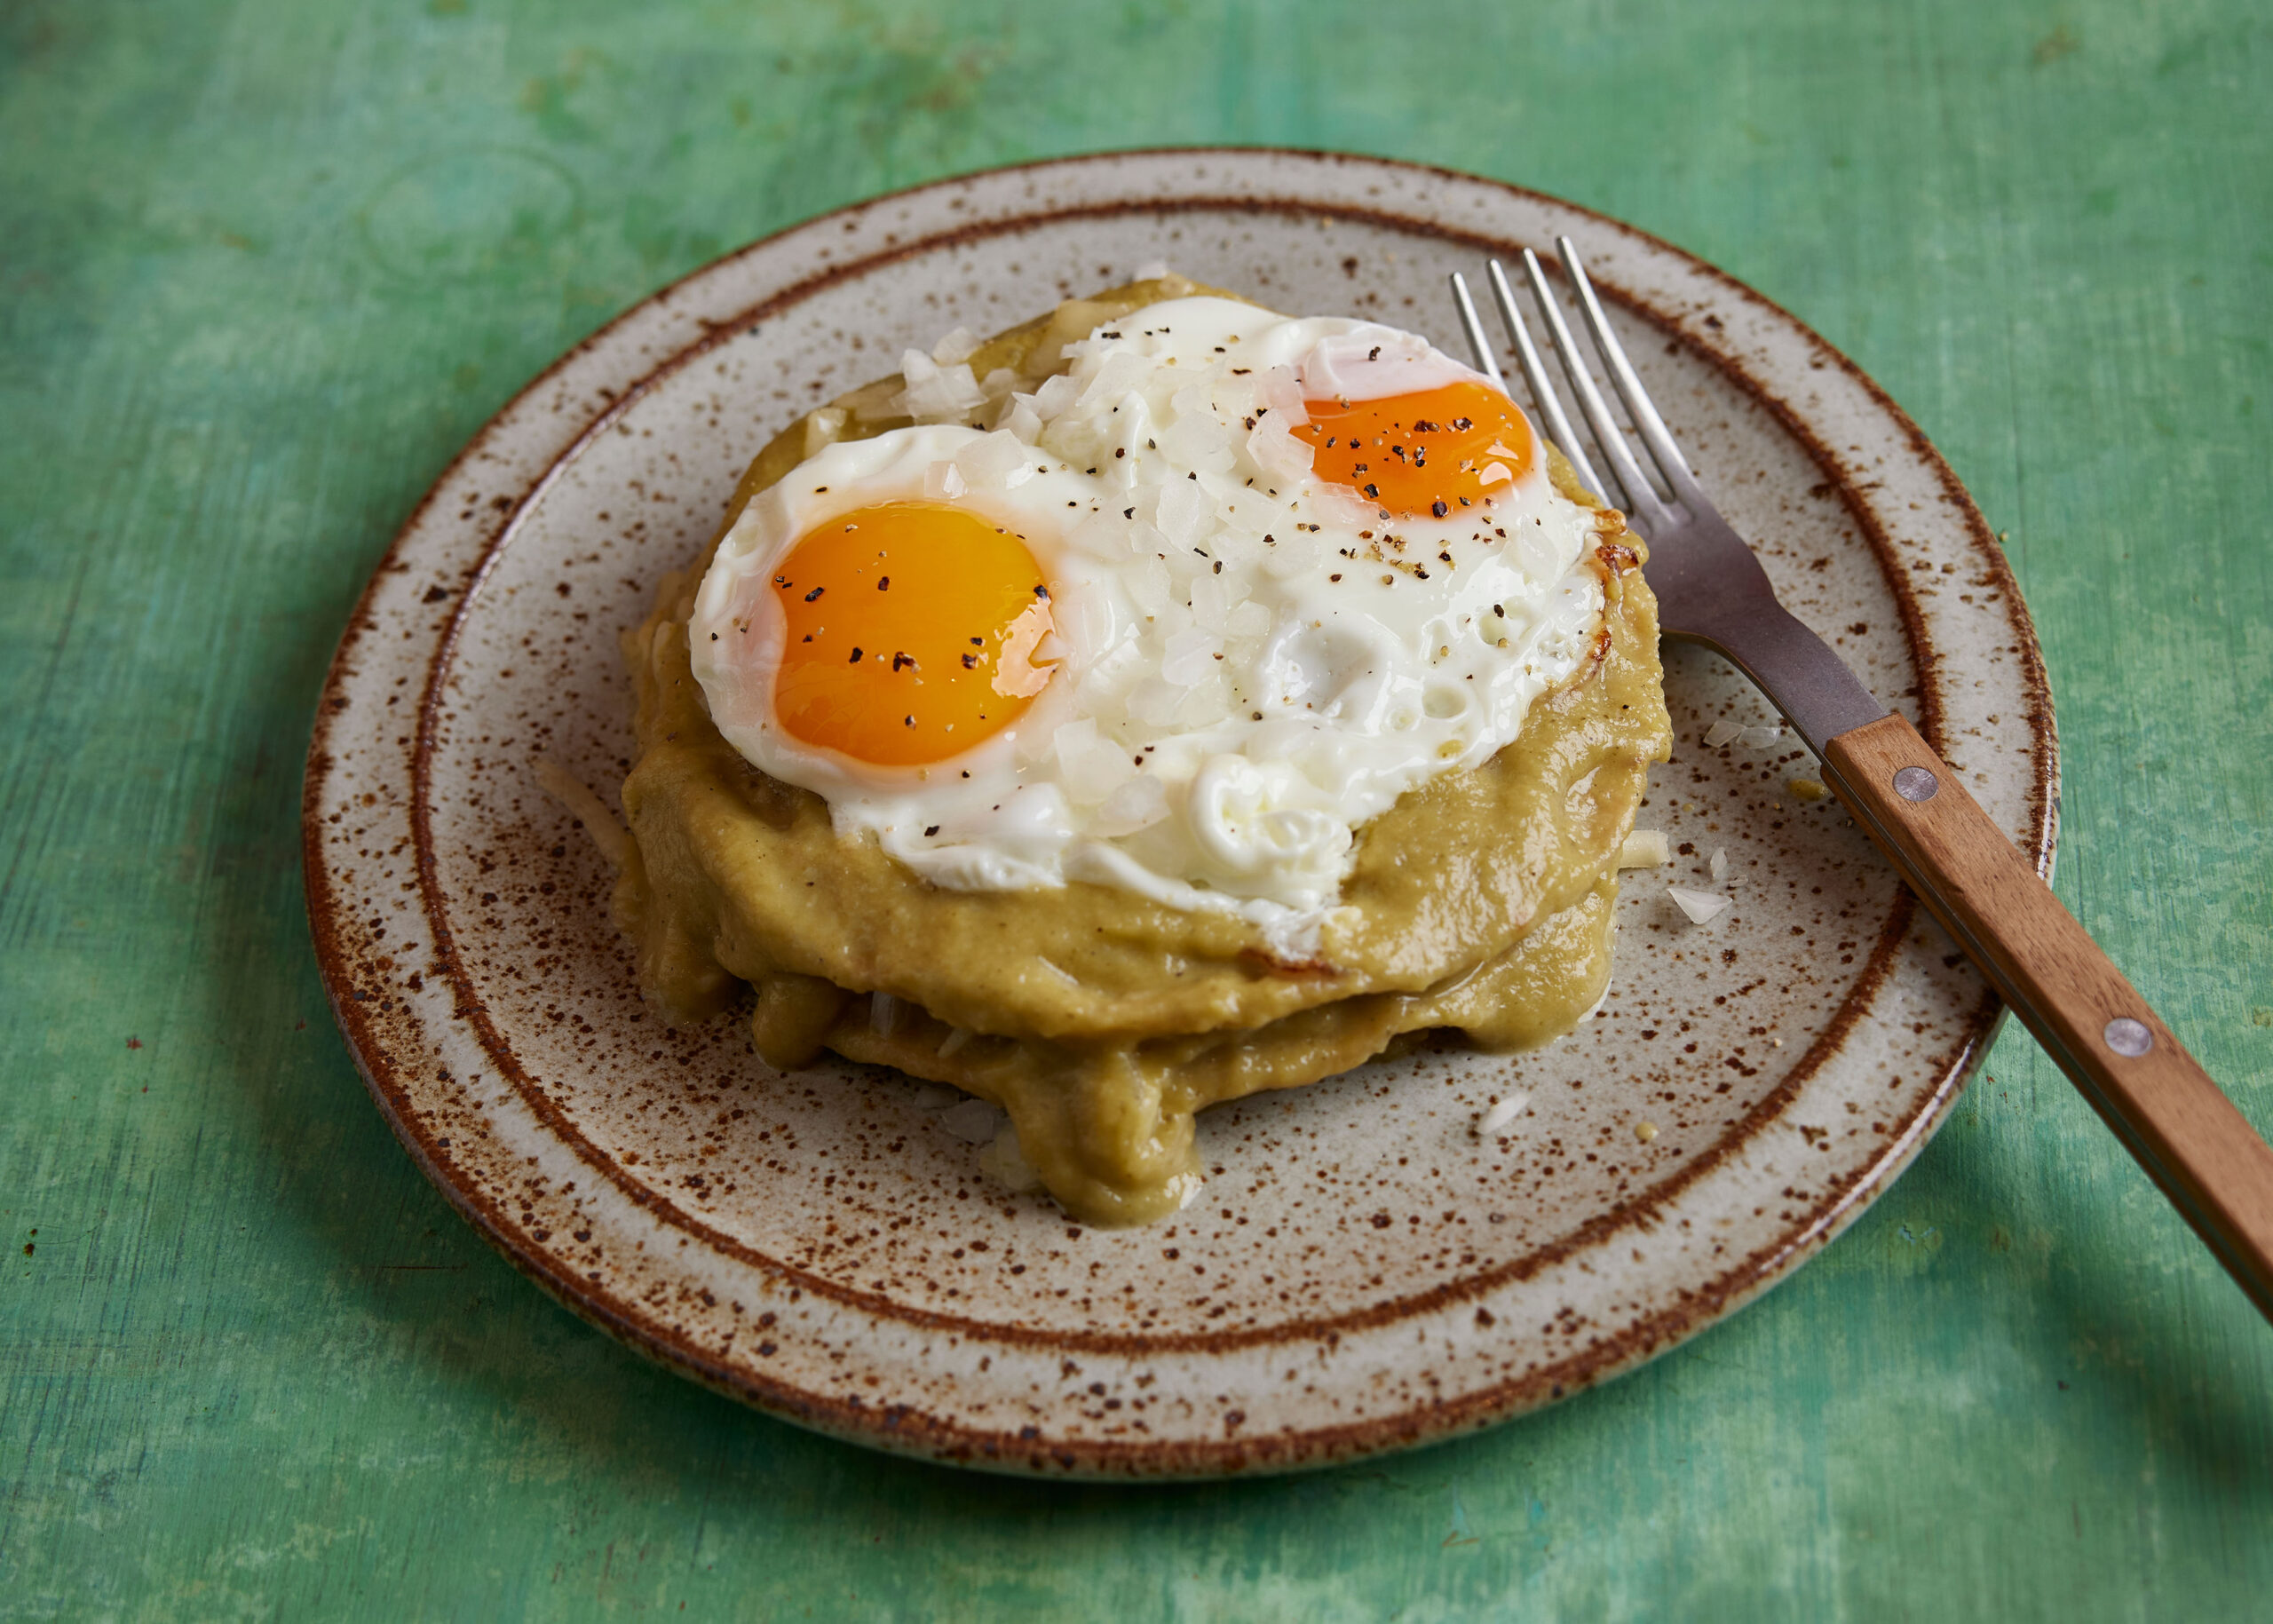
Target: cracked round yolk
[(911, 630), (1431, 453)]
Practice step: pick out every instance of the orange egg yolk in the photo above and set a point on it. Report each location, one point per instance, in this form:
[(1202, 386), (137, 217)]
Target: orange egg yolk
[(1431, 453), (913, 627)]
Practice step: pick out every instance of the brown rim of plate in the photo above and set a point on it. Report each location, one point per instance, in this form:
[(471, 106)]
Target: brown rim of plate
[(628, 1320)]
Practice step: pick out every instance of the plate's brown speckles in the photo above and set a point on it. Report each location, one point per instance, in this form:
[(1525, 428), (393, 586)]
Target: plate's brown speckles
[(1362, 1271)]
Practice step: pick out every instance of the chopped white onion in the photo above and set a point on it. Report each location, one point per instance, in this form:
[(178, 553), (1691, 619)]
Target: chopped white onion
[(1282, 396), (1249, 620), (1091, 768), (1500, 1116), (1644, 849), (1209, 612), (566, 788), (973, 1121), (1101, 536), (999, 461), (1137, 805), (1184, 513), (1055, 394), (1119, 375), (935, 392), (1200, 441), (1191, 657), (1005, 1161), (1153, 701), (823, 426), (1274, 450), (1702, 906), (960, 344), (1019, 418)]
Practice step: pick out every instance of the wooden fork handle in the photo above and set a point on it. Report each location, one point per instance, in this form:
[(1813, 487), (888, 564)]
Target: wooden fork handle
[(2159, 1101)]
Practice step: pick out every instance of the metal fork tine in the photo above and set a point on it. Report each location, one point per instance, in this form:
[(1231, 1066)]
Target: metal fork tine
[(1663, 449), (1640, 497), (1543, 391), (1477, 344)]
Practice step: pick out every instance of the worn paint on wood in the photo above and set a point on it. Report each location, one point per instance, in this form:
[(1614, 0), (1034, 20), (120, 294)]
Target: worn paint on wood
[(263, 266)]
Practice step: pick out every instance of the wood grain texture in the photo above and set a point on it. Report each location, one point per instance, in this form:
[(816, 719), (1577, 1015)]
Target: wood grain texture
[(2091, 1022), (267, 264)]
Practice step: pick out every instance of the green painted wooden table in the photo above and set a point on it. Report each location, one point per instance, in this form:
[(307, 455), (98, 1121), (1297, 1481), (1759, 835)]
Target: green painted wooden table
[(264, 266)]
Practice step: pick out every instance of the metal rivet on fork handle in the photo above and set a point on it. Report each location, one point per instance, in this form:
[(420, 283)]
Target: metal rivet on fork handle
[(1916, 784), (2128, 1037)]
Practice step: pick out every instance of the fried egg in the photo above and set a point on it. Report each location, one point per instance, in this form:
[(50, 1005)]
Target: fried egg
[(1181, 621)]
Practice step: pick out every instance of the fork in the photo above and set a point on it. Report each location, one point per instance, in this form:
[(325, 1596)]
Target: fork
[(1711, 589)]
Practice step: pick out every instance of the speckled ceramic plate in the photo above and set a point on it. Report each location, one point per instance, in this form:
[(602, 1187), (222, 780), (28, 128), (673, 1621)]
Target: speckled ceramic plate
[(1363, 1271)]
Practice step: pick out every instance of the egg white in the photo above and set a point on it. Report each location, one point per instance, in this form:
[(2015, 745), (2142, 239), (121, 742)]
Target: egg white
[(1252, 663)]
